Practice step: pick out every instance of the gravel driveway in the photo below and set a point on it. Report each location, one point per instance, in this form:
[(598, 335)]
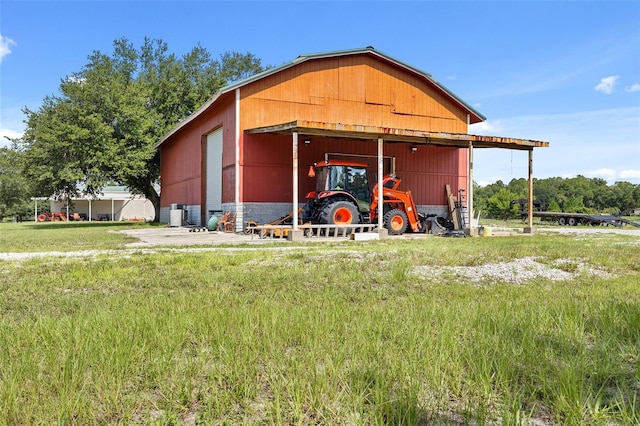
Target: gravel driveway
[(150, 239)]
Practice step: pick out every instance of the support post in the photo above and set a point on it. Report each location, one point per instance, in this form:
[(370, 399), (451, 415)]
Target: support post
[(529, 228), (295, 234), (295, 181), (381, 230), (239, 208), (472, 230)]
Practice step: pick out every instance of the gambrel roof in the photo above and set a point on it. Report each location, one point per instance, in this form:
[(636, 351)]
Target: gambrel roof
[(474, 116)]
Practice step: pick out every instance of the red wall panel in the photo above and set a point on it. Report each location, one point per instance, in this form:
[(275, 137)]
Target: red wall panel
[(182, 178), (268, 166)]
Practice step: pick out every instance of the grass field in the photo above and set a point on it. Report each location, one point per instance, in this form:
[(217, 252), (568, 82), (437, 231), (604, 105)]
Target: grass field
[(428, 331), (64, 236)]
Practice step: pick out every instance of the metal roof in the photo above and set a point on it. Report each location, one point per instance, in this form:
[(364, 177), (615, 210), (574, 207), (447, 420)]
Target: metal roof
[(477, 117), (388, 134)]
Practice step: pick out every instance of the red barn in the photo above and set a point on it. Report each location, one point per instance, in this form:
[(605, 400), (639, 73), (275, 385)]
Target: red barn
[(242, 150)]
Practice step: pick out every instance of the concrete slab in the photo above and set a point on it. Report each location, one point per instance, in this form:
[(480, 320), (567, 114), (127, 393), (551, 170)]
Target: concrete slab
[(364, 236)]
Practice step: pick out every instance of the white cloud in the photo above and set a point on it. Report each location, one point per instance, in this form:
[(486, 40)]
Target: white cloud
[(612, 176), (485, 128), (606, 174), (633, 88), (5, 46), (8, 133), (607, 84), (629, 174)]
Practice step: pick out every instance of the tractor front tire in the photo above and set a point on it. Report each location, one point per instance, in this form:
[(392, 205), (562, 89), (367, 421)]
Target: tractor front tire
[(339, 213), (396, 222)]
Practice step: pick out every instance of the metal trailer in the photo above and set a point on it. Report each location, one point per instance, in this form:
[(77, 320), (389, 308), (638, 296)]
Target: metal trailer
[(573, 219)]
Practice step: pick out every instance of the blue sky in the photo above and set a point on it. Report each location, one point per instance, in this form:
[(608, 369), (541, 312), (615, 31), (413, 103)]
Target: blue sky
[(566, 72)]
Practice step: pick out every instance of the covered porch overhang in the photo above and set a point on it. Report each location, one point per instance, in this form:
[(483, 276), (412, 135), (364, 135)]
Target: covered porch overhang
[(408, 136)]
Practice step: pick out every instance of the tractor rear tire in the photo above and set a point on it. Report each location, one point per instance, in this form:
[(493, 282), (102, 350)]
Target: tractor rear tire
[(339, 213), (396, 222)]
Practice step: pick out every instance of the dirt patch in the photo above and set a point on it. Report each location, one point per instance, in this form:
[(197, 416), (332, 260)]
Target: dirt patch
[(519, 271)]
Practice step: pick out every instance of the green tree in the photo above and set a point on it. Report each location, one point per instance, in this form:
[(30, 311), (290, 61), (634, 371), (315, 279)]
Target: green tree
[(102, 126), (625, 197), (481, 195), (14, 198), (554, 207), (499, 205), (547, 191), (519, 187), (574, 205), (636, 197), (579, 195)]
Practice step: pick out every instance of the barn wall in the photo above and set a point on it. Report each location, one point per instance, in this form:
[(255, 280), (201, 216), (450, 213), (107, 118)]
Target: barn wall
[(268, 162), (351, 90), (181, 157)]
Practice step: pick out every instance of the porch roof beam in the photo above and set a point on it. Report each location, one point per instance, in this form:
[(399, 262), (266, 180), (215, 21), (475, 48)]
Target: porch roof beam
[(390, 134)]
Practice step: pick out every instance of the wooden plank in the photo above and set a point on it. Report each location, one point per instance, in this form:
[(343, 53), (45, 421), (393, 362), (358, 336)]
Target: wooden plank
[(452, 207)]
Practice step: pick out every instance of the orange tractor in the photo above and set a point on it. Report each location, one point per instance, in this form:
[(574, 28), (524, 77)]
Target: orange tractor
[(52, 217), (343, 197)]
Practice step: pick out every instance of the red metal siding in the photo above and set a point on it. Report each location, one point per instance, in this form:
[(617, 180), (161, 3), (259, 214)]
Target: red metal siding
[(180, 173), (183, 175), (268, 160)]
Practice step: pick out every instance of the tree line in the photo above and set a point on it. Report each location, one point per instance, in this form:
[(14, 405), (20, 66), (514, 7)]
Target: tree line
[(575, 195)]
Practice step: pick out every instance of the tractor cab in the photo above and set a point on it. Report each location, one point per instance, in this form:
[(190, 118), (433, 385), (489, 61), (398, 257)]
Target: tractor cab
[(342, 194), (351, 178)]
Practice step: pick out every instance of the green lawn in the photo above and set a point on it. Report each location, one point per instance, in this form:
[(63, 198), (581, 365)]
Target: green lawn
[(64, 236), (385, 332)]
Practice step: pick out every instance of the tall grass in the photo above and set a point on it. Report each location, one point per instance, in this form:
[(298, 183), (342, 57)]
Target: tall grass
[(331, 334)]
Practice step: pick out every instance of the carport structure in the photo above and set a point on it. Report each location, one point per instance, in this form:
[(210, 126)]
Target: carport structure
[(414, 138), (115, 203), (240, 151)]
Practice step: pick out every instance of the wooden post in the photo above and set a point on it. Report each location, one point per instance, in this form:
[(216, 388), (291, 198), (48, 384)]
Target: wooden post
[(453, 212), (529, 228), (470, 192), (295, 234), (380, 189), (295, 181)]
